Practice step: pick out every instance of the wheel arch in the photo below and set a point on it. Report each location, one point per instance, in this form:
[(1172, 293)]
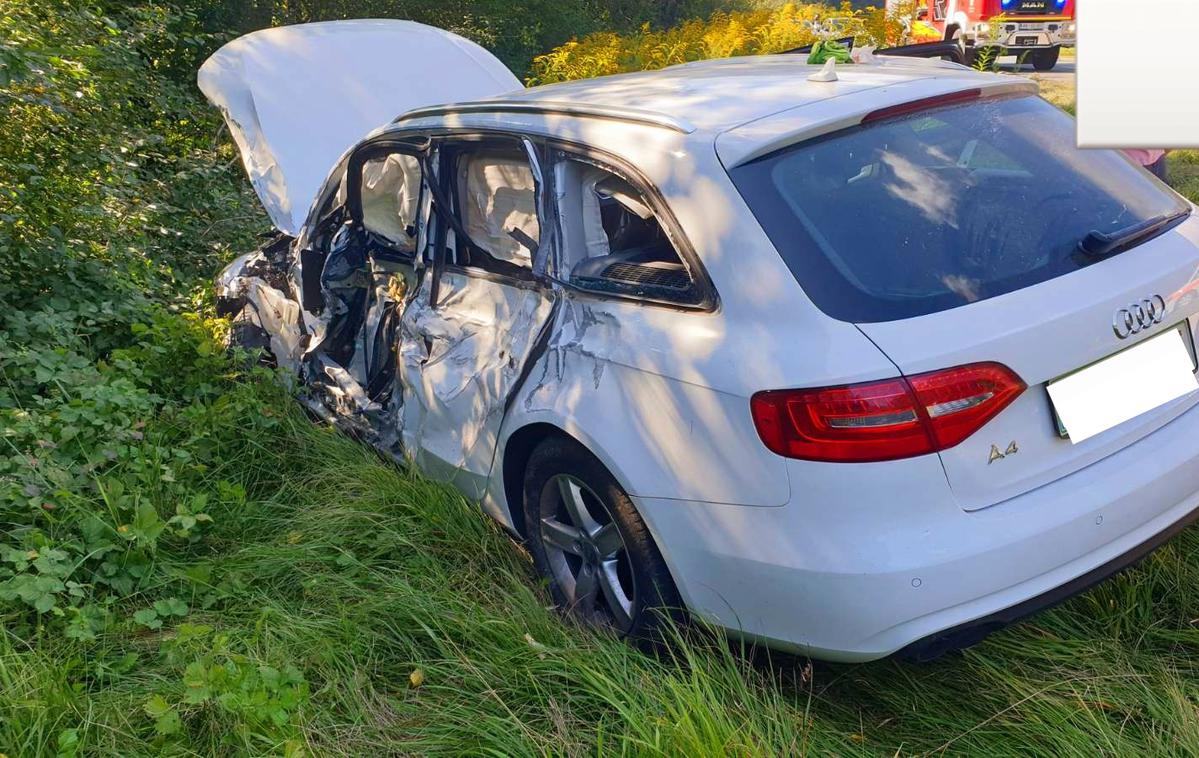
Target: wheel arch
[(517, 449), (519, 445)]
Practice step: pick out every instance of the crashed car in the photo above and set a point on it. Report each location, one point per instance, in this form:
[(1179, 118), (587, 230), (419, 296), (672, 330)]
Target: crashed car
[(849, 361)]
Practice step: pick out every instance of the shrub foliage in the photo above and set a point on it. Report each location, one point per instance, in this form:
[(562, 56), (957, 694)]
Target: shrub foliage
[(725, 34), (117, 403)]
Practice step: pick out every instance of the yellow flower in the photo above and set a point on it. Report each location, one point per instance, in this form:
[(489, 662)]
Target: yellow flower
[(416, 679)]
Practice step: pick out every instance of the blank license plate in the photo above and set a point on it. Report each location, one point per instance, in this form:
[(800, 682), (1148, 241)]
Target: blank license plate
[(1135, 381)]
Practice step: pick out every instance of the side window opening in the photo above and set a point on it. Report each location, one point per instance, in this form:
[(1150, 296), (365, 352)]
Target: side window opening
[(613, 240), (497, 197), (482, 212), (390, 200), (360, 259)]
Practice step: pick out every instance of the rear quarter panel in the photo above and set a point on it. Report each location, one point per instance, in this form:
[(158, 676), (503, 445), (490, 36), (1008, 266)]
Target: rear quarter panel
[(661, 395)]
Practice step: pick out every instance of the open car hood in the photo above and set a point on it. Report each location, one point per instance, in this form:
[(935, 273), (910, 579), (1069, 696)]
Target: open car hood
[(297, 97)]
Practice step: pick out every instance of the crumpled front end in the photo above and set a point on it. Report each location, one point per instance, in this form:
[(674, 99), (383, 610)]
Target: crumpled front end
[(253, 290)]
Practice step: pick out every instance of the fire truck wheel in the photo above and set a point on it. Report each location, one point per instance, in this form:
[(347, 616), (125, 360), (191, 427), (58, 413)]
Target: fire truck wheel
[(1045, 60)]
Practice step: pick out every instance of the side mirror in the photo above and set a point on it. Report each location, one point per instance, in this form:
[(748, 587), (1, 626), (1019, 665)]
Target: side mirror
[(922, 14)]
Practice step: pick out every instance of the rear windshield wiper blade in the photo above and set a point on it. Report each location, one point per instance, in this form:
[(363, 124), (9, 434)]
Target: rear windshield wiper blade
[(1099, 244)]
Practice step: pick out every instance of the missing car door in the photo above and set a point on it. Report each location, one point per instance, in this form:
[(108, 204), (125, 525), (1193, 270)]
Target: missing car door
[(362, 262)]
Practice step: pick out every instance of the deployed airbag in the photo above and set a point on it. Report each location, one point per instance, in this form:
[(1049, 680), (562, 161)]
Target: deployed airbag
[(390, 192), (500, 198)]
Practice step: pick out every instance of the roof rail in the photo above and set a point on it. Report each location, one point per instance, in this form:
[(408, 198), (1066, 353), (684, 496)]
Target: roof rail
[(554, 107)]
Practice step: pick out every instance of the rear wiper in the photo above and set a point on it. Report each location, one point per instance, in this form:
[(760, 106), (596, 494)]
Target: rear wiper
[(1099, 244)]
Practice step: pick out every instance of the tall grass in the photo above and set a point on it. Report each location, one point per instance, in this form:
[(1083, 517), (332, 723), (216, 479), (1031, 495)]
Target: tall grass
[(358, 574)]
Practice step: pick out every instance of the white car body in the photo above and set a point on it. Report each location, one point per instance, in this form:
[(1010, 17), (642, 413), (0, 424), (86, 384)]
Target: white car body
[(845, 561)]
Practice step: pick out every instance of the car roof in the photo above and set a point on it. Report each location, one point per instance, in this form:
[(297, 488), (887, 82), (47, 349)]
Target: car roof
[(710, 96)]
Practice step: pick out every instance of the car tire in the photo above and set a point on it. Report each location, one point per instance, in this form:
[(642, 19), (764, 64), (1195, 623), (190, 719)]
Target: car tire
[(1045, 60), (246, 332), (592, 547)]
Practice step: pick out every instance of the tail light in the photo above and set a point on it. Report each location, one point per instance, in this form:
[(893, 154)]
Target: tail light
[(886, 420)]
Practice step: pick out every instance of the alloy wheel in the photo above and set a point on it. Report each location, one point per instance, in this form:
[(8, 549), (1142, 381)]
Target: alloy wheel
[(586, 553)]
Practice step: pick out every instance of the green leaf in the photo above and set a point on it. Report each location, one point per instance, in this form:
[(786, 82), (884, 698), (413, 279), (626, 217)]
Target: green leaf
[(168, 724), (185, 632), (270, 676), (80, 627), (195, 674), (147, 524), (148, 617), (156, 706), (172, 606), (68, 743)]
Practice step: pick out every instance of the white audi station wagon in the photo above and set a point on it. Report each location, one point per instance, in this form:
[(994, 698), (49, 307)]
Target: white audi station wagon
[(850, 361)]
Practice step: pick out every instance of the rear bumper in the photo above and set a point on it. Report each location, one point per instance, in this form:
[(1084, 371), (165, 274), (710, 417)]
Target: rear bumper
[(973, 632), (861, 567)]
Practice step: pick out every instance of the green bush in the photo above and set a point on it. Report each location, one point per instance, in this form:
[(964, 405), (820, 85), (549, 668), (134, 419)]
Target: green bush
[(117, 402), (772, 28), (515, 30)]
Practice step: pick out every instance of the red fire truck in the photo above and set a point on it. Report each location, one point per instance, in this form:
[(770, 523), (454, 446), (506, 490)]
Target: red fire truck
[(1036, 30)]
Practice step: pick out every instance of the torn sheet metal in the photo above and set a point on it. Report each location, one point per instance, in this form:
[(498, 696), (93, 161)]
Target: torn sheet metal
[(258, 280), (339, 399), (459, 363), (352, 369), (269, 263), (297, 97), (279, 315), (345, 284), (346, 353)]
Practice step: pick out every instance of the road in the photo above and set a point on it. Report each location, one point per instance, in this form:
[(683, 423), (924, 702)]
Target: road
[(1063, 72)]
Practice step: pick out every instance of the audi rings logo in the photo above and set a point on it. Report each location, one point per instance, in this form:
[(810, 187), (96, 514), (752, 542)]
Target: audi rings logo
[(1140, 316)]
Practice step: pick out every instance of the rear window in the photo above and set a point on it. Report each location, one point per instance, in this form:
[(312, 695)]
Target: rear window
[(940, 208)]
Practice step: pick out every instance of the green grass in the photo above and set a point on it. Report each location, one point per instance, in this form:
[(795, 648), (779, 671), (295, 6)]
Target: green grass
[(357, 574), (1183, 165), (237, 580), (1184, 173), (1058, 92)]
